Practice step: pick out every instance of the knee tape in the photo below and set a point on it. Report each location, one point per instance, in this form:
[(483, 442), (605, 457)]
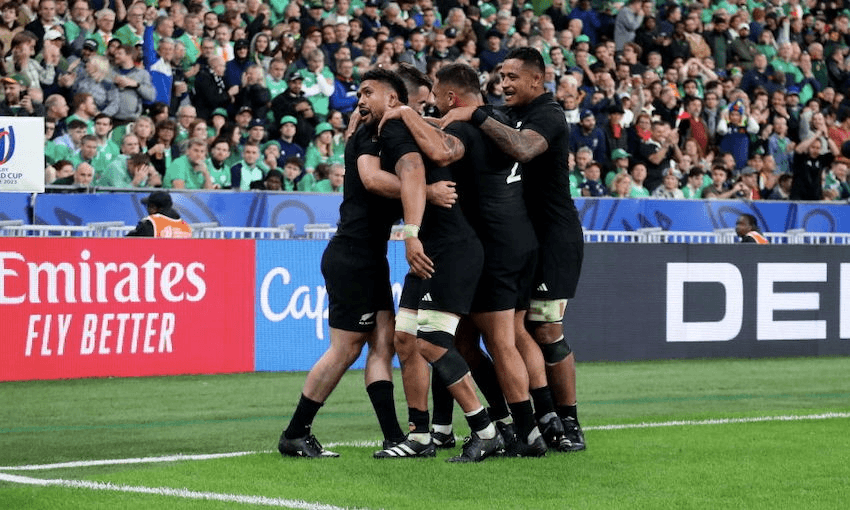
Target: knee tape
[(555, 352), (450, 368), (432, 320), (548, 310), (405, 321)]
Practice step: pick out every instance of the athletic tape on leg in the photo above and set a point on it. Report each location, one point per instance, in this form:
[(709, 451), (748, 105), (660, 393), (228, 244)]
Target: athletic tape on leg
[(555, 352), (548, 310), (432, 320), (405, 321)]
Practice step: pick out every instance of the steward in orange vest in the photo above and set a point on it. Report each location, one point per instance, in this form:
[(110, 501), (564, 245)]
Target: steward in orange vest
[(747, 228), (163, 220)]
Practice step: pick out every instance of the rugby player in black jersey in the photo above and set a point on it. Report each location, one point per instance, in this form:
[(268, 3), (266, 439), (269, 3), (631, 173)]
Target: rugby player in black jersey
[(442, 298), (414, 368), (357, 273), (537, 137), (490, 190)]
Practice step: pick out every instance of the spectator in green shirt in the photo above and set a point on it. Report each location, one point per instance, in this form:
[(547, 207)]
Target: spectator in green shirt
[(138, 173), (334, 182), (189, 171)]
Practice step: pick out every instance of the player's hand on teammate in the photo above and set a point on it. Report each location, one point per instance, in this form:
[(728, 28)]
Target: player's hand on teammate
[(460, 114), (353, 123), (442, 194), (420, 264), (392, 113)]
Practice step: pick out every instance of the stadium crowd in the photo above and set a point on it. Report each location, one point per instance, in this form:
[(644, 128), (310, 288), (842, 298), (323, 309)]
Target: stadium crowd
[(702, 99)]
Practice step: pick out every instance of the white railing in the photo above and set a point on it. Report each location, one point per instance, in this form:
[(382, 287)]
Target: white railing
[(319, 230), (212, 230), (281, 232)]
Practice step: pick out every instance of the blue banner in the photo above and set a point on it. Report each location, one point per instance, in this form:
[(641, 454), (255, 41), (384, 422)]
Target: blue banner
[(709, 215), (258, 209), (230, 209), (13, 206), (291, 307)]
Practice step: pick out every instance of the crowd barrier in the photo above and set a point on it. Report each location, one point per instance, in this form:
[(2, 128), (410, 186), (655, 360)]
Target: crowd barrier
[(271, 210), (97, 307)]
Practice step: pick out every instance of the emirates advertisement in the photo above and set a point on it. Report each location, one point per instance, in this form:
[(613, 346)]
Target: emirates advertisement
[(125, 307)]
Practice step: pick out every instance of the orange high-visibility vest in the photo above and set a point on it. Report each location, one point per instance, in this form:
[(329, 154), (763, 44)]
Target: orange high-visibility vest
[(760, 239), (163, 226)]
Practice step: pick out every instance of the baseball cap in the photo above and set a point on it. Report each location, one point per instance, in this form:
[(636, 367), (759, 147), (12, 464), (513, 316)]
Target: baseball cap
[(527, 7), (487, 10), (315, 5), (451, 32), (748, 170), (295, 76), (585, 114), (582, 38), (240, 43), (245, 109), (53, 35), (18, 78), (371, 3), (322, 127), (619, 153), (256, 123), (793, 91), (743, 26), (219, 111), (90, 44), (159, 199), (288, 119)]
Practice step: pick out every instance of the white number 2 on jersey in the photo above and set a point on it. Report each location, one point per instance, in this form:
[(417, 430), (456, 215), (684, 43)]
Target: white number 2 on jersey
[(514, 177)]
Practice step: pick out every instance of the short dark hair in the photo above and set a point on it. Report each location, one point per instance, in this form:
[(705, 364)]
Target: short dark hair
[(390, 79), (413, 78), (529, 57), (139, 160), (751, 220), (294, 160), (274, 172), (459, 75)]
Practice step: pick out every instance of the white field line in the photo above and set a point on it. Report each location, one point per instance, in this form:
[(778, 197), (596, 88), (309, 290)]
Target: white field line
[(363, 444), (298, 504), (166, 491), (110, 462), (719, 421)]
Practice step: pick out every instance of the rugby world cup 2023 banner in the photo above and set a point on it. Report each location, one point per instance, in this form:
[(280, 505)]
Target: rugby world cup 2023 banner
[(125, 307), (22, 154)]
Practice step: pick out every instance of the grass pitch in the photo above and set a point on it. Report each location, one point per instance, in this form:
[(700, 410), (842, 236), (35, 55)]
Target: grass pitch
[(673, 434)]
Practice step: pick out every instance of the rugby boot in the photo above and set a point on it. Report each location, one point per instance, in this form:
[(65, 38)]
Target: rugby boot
[(406, 449), (442, 440), (574, 437), (476, 449), (305, 446)]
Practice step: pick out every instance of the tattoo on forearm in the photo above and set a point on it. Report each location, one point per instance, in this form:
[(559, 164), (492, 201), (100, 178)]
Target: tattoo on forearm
[(521, 145), (451, 146)]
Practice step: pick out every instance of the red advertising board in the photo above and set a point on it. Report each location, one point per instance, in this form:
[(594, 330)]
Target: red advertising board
[(125, 307)]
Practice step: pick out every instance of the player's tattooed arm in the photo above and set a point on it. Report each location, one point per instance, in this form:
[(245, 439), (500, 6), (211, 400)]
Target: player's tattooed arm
[(522, 145), (388, 185), (440, 147)]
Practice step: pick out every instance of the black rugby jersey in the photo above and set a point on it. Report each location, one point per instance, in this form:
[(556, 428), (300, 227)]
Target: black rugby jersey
[(546, 179), (490, 189), (363, 215), (440, 224)]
